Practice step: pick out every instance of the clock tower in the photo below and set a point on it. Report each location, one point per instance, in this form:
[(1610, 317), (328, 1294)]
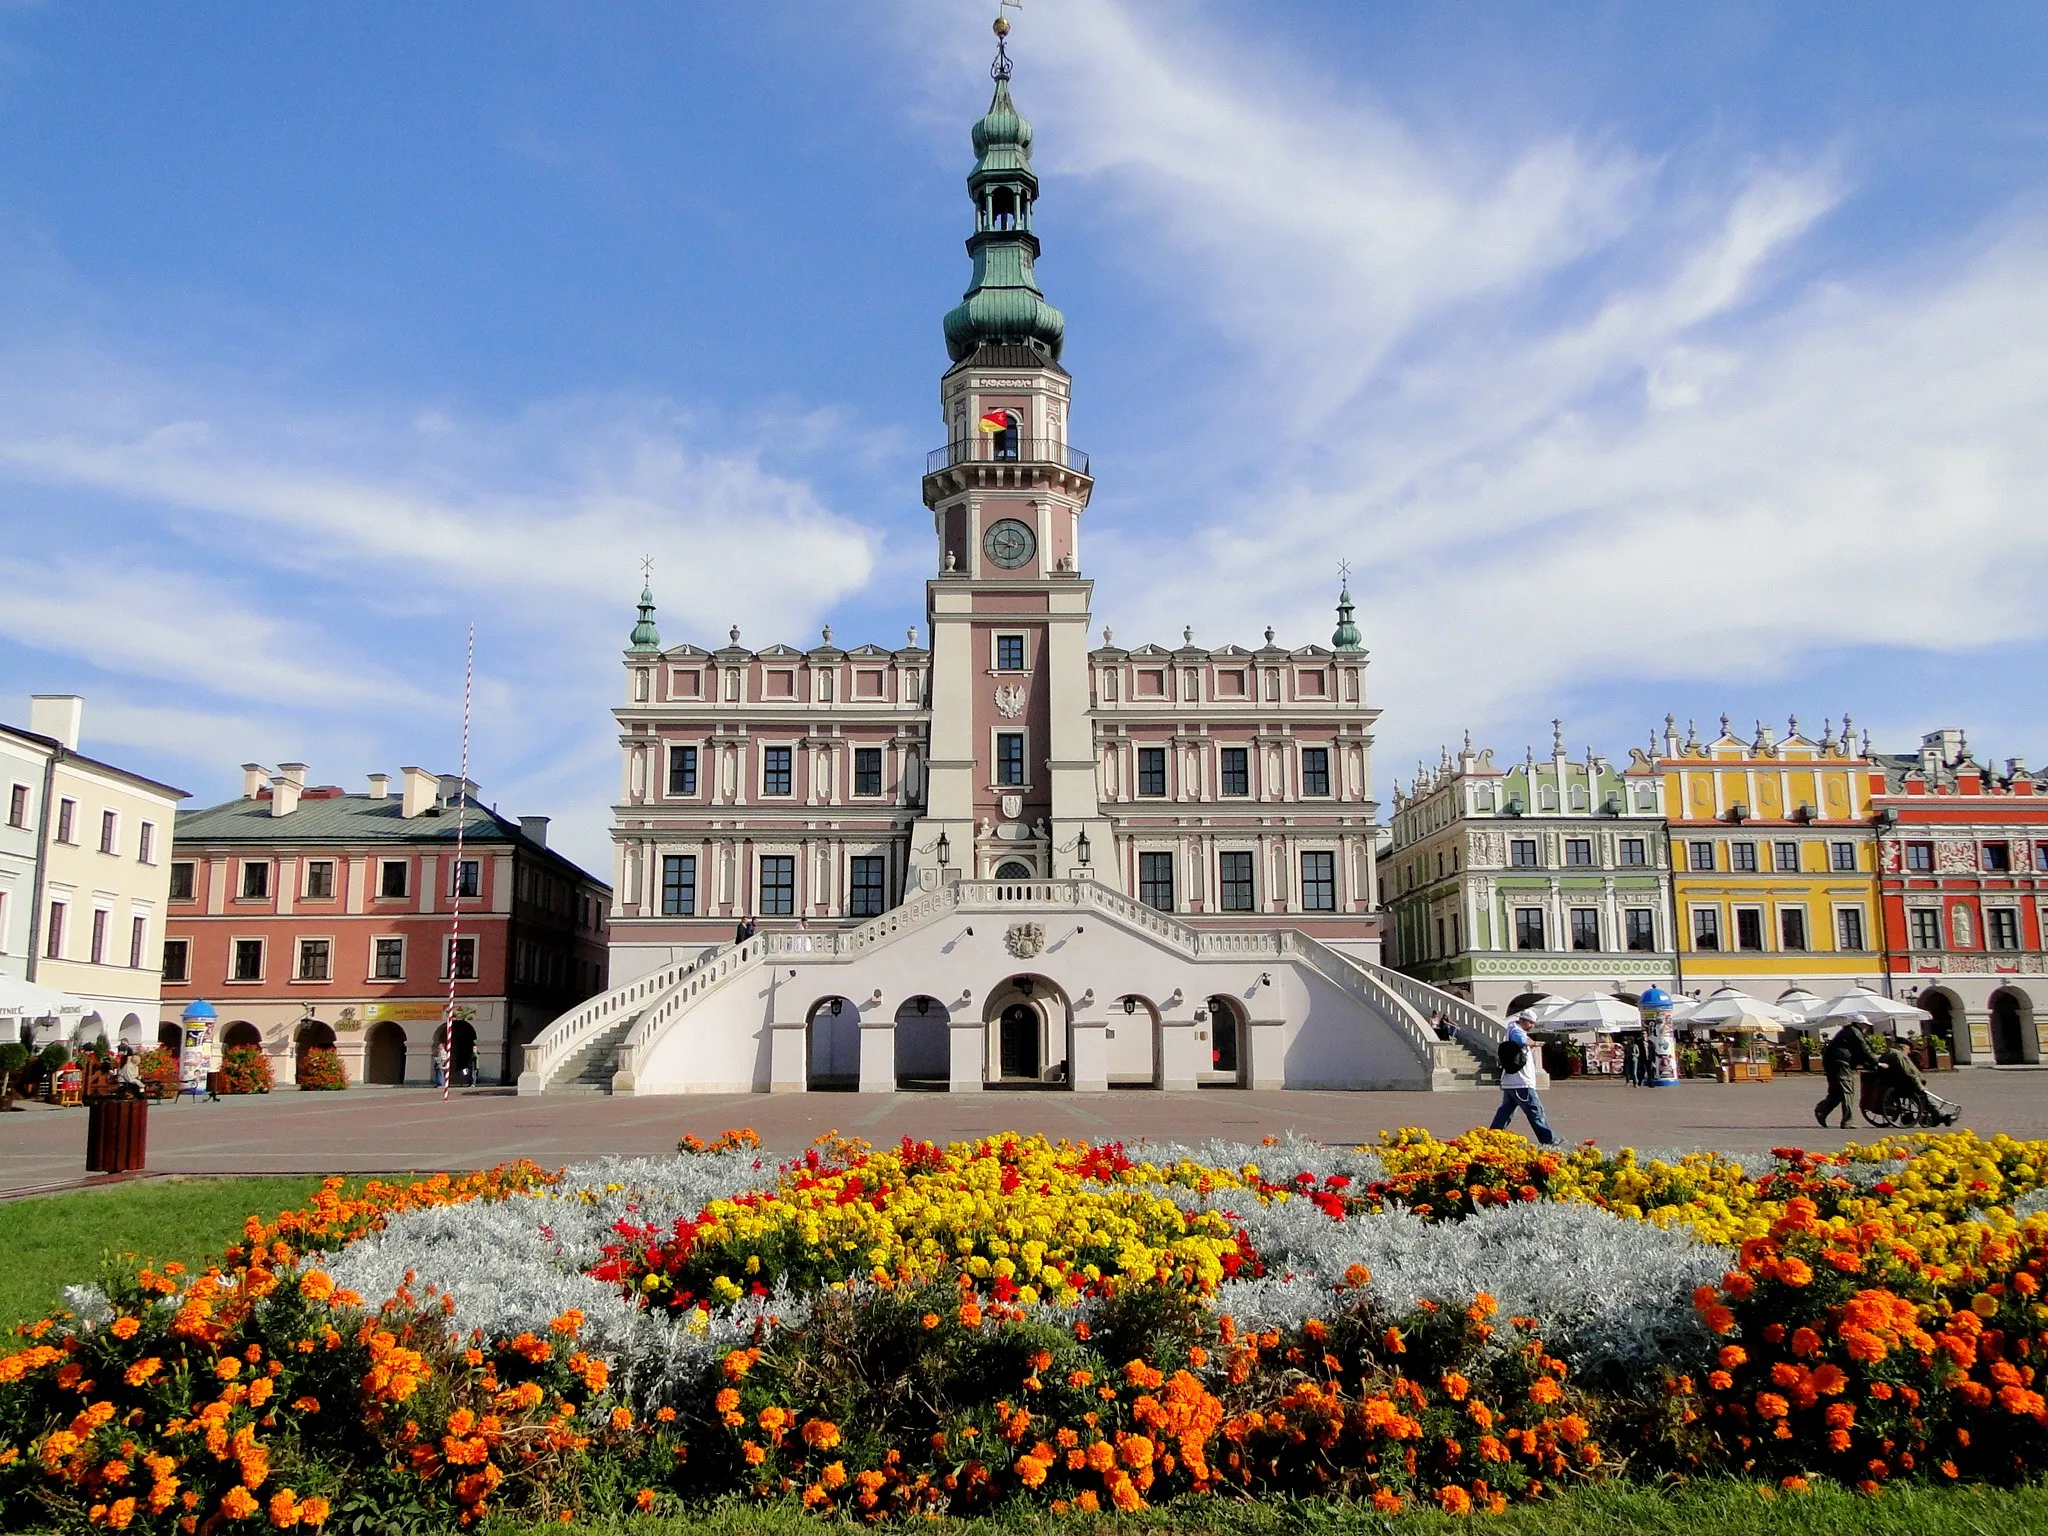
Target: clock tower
[(1012, 778)]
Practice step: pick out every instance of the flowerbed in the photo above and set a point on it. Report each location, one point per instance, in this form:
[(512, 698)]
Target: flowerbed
[(924, 1329), (245, 1069)]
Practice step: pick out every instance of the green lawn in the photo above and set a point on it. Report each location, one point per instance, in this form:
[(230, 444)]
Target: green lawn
[(1708, 1509), (53, 1241)]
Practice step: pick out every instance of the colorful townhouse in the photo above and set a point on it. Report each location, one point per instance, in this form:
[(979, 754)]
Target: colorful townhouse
[(308, 917), (1774, 860), (1963, 869), (1550, 877)]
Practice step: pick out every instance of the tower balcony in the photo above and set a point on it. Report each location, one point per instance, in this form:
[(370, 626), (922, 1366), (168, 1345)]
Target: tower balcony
[(996, 460)]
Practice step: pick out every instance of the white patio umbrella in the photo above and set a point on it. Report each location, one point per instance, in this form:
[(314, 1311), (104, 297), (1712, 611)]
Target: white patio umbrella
[(1894, 1015), (1540, 1011), (1600, 1011), (1735, 1011), (21, 999), (1800, 1003)]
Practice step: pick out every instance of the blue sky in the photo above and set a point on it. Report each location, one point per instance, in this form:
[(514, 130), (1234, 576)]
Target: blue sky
[(1640, 359)]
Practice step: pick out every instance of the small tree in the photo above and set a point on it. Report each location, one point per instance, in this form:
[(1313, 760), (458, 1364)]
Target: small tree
[(13, 1057), (53, 1057), (320, 1070)]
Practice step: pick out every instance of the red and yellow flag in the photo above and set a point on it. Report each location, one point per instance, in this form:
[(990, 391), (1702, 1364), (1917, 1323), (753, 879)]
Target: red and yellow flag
[(995, 421)]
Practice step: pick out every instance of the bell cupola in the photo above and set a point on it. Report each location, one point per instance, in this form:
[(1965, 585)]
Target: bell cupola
[(1003, 304)]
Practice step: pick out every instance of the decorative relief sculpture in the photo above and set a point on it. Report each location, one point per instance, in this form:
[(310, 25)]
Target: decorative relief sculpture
[(1025, 940), (1010, 700)]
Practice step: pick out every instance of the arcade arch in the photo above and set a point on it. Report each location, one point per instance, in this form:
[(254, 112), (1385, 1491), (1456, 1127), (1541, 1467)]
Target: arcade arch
[(1132, 1043), (1228, 1030), (384, 1054), (2013, 1036), (241, 1032), (312, 1035), (832, 1046), (924, 1044), (1028, 1027), (1948, 1022)]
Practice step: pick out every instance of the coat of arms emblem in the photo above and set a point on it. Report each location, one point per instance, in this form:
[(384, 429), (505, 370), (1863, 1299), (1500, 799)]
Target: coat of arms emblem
[(1010, 700), (1025, 940)]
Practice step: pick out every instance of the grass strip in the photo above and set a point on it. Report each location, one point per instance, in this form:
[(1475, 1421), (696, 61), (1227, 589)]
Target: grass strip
[(51, 1241)]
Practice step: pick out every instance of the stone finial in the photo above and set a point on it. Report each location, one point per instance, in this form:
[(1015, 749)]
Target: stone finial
[(1866, 743), (910, 637), (1725, 724), (734, 634), (1269, 634), (952, 561), (1692, 736), (1468, 741), (1187, 635), (828, 634), (1557, 738), (1827, 734), (1791, 727), (1108, 635)]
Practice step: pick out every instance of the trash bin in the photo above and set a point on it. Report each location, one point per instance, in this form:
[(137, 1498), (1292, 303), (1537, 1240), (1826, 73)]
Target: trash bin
[(116, 1135)]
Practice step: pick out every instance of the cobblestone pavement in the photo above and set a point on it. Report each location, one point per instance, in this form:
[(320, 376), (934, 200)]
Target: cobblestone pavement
[(366, 1130)]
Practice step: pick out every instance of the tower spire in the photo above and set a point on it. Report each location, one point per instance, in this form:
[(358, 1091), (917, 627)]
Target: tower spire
[(1003, 304), (645, 636), (1345, 637)]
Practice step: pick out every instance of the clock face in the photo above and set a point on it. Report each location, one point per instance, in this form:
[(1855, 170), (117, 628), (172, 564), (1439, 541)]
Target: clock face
[(1009, 543)]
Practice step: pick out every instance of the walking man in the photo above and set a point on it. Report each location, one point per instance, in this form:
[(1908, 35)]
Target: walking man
[(1840, 1059), (1518, 1085)]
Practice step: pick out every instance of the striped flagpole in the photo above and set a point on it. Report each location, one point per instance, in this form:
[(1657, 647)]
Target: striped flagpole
[(461, 823)]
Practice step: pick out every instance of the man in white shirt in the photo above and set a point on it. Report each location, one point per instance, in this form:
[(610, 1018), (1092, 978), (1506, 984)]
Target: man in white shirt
[(1518, 1084)]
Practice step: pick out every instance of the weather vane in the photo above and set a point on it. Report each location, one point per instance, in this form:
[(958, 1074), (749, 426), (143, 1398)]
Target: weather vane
[(647, 568), (1000, 70), (1344, 572)]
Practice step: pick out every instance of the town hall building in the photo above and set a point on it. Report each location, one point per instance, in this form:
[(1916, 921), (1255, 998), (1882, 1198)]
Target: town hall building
[(1015, 853)]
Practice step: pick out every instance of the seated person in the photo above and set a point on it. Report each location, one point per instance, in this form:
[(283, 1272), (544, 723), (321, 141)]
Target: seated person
[(128, 1076), (1902, 1076)]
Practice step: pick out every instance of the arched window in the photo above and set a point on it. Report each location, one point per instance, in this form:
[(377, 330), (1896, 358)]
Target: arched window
[(1003, 444), (1010, 869)]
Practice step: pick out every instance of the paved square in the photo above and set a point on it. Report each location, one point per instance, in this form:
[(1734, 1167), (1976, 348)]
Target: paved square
[(367, 1130)]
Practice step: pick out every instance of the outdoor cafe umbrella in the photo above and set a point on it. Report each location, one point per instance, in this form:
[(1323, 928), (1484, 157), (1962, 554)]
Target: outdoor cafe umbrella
[(21, 999), (1599, 1011), (1736, 1012), (1800, 1003), (1890, 1012)]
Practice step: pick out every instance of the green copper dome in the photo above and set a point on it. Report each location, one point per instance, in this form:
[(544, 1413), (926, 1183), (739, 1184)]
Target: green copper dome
[(645, 636), (1345, 638), (1003, 304)]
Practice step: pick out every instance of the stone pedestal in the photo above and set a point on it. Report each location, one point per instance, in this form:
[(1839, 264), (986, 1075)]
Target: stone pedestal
[(788, 1056), (1088, 1062), (1266, 1047), (1181, 1056), (968, 1052), (877, 1050)]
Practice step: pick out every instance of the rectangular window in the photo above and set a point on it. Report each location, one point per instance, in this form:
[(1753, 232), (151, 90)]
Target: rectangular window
[(867, 770), (145, 843), (1009, 653), (2002, 927), (775, 771), (1640, 925), (778, 884), (679, 885), (181, 882), (248, 960), (1791, 929), (2041, 857), (682, 770), (1926, 927), (1702, 856), (1849, 928), (177, 959), (1998, 858), (1585, 928), (1528, 927), (1749, 928), (1785, 857), (1706, 928), (1315, 770), (389, 962), (465, 878), (320, 879), (1237, 771), (255, 880), (1920, 857), (864, 887), (53, 941), (1155, 880), (1319, 882), (110, 829), (462, 959), (138, 935), (1578, 850), (1522, 853), (1151, 770), (1634, 852), (66, 811), (1234, 881), (99, 935), (17, 806), (314, 956), (1842, 856), (1009, 757), (1742, 856)]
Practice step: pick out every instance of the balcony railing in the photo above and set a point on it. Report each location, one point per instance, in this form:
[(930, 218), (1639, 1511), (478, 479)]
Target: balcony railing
[(1005, 448)]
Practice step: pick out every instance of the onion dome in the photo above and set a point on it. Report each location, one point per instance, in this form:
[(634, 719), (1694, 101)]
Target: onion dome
[(645, 636)]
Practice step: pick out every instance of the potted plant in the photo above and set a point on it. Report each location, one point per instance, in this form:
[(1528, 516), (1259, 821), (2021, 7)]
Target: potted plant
[(13, 1057), (245, 1069), (320, 1071), (159, 1069)]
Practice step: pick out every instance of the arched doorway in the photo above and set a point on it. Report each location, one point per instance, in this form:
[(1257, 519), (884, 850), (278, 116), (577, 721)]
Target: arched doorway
[(461, 1054), (131, 1031), (1026, 1028), (1131, 1045), (1943, 1018), (1226, 1044), (924, 1045), (384, 1054), (834, 1047), (241, 1032), (2012, 1028), (312, 1035), (169, 1037)]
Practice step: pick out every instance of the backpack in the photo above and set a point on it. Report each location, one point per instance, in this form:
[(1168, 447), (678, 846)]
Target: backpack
[(1513, 1056)]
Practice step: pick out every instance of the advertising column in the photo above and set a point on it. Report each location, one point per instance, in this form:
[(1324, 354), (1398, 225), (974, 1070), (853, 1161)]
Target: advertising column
[(1659, 1038)]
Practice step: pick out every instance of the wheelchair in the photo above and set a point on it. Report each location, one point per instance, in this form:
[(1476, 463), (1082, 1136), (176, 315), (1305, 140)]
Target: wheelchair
[(1885, 1103)]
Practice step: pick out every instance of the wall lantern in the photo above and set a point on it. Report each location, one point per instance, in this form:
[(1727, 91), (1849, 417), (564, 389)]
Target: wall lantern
[(1081, 850), (945, 850), (1024, 985), (1130, 1005), (924, 1006), (837, 1005)]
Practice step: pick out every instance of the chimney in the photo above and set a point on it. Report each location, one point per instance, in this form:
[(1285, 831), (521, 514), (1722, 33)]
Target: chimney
[(380, 786), (284, 794), (58, 715), (420, 788), (535, 829), (254, 777)]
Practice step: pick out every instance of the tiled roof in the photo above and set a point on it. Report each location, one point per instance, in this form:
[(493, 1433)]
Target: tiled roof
[(340, 819)]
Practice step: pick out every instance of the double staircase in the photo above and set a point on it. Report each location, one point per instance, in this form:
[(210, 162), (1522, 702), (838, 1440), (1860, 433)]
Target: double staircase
[(593, 1048)]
